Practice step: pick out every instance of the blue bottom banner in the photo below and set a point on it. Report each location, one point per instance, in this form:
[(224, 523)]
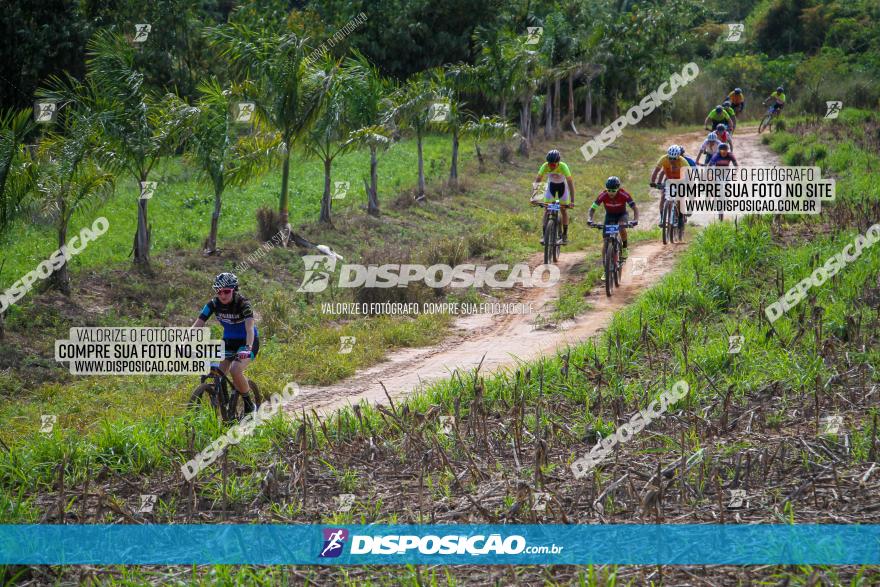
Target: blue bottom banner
[(271, 544)]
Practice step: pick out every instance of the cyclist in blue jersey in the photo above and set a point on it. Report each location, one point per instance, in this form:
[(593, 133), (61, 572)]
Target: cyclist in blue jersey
[(240, 336), (686, 158)]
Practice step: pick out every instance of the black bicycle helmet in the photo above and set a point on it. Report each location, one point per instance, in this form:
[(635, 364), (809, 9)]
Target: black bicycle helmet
[(554, 156), (612, 183), (718, 109), (737, 91), (779, 89), (225, 280)]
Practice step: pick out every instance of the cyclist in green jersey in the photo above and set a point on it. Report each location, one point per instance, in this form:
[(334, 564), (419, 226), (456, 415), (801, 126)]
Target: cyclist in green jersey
[(717, 115), (559, 185)]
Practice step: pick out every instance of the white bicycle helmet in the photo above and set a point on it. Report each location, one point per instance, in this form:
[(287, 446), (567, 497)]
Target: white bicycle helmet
[(673, 151), (712, 136)]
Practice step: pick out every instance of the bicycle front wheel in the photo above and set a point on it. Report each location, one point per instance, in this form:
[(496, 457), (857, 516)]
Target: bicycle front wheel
[(680, 227), (204, 396), (549, 241), (617, 263), (668, 221), (608, 258), (235, 407)]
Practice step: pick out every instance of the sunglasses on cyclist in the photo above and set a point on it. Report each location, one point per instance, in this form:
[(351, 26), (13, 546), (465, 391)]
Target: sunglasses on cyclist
[(225, 291)]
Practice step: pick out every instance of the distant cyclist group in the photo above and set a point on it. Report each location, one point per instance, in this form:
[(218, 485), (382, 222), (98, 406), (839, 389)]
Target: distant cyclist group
[(715, 151)]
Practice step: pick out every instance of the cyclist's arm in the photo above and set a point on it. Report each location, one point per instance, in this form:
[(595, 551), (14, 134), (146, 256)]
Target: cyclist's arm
[(570, 189), (657, 169), (706, 122), (249, 328), (595, 207), (204, 315), (632, 204)]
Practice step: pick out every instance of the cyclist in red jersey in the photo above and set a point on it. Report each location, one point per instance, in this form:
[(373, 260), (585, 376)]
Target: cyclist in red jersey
[(615, 199)]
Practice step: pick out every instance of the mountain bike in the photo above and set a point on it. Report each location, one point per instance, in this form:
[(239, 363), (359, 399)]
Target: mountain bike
[(611, 257), (218, 392), (767, 121), (671, 219), (552, 229)]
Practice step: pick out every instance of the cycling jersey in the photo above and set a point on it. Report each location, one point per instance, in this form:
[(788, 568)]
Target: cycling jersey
[(672, 167), (554, 176), (778, 98), (710, 147), (718, 161), (716, 117), (231, 316), (730, 113), (736, 99), (723, 136), (614, 203)]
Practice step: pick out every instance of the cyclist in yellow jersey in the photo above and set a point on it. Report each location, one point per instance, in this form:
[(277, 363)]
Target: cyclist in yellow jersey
[(559, 184), (737, 100), (669, 166)]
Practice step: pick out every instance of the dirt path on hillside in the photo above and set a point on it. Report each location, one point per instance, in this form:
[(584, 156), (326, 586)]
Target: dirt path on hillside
[(504, 340)]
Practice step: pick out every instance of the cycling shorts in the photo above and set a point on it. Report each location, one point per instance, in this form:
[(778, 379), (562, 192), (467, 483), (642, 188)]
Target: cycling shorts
[(556, 190), (616, 218), (233, 344)]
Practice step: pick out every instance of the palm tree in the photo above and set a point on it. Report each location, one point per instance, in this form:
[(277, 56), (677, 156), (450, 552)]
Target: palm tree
[(287, 91), (412, 109), (330, 134), (16, 166), (486, 127), (221, 156), (450, 83), (371, 105), (69, 178), (530, 72), (499, 65), (140, 128)]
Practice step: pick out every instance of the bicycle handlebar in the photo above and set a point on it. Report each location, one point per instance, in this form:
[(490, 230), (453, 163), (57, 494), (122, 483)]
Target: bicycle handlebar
[(544, 204), (598, 226)]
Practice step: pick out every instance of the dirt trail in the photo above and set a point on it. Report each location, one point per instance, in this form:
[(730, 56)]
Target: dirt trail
[(507, 339)]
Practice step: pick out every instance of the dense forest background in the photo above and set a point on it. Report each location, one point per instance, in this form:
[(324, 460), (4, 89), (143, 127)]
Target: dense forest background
[(801, 42)]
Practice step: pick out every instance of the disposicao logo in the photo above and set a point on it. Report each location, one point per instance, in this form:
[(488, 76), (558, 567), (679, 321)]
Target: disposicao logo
[(334, 540), (318, 270)]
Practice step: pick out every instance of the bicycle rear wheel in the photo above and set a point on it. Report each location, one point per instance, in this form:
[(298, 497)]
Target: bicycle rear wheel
[(680, 226), (765, 123)]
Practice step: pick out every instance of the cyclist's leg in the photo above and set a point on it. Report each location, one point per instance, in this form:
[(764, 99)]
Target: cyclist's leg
[(558, 190), (229, 347), (624, 218), (238, 377)]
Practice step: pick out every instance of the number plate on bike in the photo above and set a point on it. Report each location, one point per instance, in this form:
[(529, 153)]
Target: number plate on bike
[(612, 229), (554, 207)]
